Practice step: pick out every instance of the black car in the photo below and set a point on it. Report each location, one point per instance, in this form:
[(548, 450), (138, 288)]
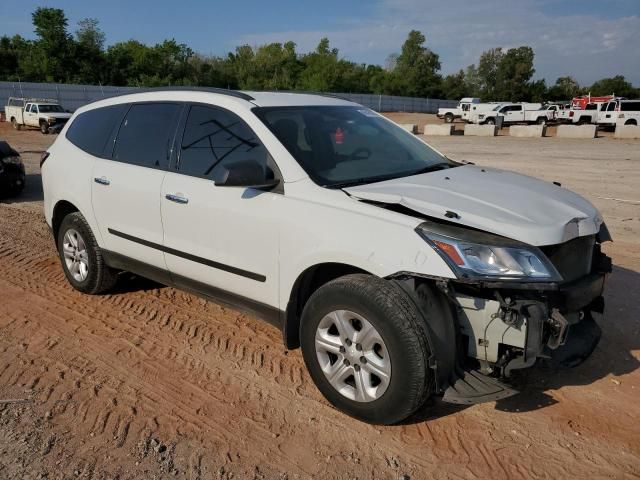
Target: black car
[(12, 177)]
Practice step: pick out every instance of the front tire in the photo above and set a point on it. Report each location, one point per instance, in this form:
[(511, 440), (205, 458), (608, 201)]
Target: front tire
[(365, 346), (448, 118), (631, 122), (81, 257), (490, 121), (44, 128)]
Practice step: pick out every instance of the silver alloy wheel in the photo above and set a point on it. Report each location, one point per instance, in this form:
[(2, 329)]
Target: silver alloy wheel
[(75, 255), (353, 356)]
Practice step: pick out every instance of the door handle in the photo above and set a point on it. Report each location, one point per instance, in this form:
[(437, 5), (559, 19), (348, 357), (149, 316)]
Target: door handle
[(102, 180), (176, 198)]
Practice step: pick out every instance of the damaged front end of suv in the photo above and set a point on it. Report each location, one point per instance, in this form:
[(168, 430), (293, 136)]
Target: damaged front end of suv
[(511, 305)]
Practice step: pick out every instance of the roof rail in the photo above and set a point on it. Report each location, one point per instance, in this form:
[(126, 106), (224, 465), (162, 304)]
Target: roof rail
[(221, 91), (25, 100), (308, 92)]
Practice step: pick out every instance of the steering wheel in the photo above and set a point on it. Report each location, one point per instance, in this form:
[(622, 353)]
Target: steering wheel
[(361, 153)]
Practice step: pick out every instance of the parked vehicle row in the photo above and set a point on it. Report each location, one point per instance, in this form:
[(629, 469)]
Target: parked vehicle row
[(607, 111), (401, 273), (46, 115)]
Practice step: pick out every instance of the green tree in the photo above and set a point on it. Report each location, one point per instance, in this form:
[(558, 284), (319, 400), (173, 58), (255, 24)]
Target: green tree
[(455, 86), (617, 85), (514, 73), (320, 69), (565, 89), (416, 69), (487, 74), (53, 49), (88, 52)]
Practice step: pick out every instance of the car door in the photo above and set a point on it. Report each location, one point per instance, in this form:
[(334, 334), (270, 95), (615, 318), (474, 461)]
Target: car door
[(31, 115), (216, 237), (126, 187), (514, 114)]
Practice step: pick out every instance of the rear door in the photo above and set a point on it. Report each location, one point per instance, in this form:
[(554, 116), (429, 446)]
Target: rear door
[(220, 237), (514, 114), (126, 186)]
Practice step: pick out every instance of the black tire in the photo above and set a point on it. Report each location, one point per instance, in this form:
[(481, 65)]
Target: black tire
[(631, 122), (387, 307), (44, 128), (541, 121), (15, 124), (448, 118), (490, 121), (100, 277)]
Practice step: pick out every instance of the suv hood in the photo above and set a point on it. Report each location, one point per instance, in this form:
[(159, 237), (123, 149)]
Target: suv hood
[(497, 201)]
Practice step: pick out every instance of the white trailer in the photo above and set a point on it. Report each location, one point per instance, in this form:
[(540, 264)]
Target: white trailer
[(450, 114)]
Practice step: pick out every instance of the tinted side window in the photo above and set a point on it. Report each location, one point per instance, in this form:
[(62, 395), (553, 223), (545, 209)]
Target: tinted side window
[(630, 106), (146, 134), (214, 137), (91, 130)]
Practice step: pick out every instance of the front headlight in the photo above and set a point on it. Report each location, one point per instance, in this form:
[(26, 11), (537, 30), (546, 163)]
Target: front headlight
[(498, 260)]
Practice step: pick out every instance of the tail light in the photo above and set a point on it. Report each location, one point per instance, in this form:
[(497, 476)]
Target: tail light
[(43, 158)]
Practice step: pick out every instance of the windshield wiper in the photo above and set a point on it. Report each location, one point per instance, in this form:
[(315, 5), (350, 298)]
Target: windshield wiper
[(433, 168)]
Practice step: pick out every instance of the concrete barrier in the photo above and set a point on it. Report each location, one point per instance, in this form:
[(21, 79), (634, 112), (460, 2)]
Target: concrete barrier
[(576, 131), (527, 131), (480, 130), (409, 127), (627, 131), (439, 130)]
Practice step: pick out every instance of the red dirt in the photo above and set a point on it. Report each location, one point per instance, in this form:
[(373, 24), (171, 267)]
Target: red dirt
[(151, 382)]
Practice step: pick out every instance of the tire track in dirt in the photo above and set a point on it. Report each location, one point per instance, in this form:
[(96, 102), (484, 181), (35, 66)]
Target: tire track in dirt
[(161, 363)]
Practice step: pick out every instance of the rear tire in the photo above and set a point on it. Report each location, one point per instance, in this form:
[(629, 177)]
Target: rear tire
[(541, 121), (448, 118), (631, 122), (81, 257), (382, 380), (15, 124)]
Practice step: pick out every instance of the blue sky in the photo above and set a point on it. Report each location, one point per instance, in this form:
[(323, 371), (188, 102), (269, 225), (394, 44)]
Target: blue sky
[(588, 39)]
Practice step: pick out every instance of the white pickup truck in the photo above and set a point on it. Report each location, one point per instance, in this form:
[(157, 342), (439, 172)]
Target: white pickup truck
[(514, 113), (47, 115), (450, 114), (590, 114)]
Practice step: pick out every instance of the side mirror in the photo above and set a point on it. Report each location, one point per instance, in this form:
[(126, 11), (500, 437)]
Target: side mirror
[(246, 173)]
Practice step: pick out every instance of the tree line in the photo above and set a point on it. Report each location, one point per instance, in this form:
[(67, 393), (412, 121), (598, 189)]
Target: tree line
[(56, 55)]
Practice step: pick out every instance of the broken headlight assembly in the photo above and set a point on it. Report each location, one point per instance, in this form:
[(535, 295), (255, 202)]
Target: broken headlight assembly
[(474, 254)]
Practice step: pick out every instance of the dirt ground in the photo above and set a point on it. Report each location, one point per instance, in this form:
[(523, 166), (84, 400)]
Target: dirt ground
[(150, 382)]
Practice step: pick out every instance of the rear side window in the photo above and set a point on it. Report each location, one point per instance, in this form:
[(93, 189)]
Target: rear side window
[(213, 137), (91, 130), (630, 106), (146, 134)]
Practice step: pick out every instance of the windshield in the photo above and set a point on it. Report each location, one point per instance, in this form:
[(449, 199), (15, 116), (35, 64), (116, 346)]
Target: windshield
[(50, 108), (345, 146)]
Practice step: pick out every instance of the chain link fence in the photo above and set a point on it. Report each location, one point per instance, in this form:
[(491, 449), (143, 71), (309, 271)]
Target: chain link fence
[(72, 97)]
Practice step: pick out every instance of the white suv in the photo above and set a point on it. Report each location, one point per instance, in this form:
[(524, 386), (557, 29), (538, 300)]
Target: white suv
[(400, 273)]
